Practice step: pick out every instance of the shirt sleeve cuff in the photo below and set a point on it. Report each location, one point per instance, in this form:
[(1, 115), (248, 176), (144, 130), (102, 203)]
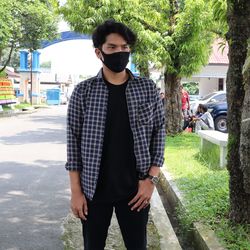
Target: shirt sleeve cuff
[(73, 166), (157, 162)]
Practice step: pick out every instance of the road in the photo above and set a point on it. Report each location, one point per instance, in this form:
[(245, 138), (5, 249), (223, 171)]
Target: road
[(34, 187)]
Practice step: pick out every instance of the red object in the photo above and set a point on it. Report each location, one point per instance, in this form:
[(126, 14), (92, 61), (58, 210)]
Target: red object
[(189, 130), (184, 100)]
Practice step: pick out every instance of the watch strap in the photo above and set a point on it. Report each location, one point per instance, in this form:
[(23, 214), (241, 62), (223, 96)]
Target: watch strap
[(142, 176)]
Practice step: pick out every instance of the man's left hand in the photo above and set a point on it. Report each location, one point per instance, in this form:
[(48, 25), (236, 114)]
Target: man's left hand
[(143, 196)]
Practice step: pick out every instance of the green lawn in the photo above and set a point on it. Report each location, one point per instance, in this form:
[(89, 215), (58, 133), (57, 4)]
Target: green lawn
[(16, 106), (205, 188), (6, 108), (22, 105)]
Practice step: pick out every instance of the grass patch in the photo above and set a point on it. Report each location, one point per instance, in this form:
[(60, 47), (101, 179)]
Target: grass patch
[(210, 155), (205, 188), (19, 106), (22, 105), (6, 108), (72, 237)]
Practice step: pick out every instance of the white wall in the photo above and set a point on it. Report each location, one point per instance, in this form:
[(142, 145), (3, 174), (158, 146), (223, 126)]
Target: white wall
[(213, 71), (207, 85), (208, 78)]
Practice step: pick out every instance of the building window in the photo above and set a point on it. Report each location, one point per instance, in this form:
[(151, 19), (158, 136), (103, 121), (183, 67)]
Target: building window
[(221, 84)]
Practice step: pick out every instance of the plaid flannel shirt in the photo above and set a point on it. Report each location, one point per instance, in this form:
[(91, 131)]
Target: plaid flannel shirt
[(86, 125)]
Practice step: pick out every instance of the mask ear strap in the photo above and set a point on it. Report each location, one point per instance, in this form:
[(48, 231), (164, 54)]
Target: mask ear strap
[(102, 53)]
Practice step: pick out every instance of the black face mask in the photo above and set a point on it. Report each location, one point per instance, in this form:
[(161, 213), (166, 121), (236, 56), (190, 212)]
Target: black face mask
[(116, 62)]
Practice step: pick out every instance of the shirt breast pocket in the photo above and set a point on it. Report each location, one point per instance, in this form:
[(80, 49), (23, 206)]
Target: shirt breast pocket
[(145, 114)]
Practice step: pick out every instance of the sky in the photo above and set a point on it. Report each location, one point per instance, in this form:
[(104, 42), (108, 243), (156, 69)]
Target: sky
[(74, 57), (71, 57)]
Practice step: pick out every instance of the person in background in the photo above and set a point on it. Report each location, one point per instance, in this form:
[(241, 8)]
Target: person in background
[(162, 95), (204, 121), (198, 112), (185, 101), (191, 124), (185, 106), (115, 143)]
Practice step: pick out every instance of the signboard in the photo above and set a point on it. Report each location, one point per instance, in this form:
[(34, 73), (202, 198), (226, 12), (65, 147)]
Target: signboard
[(7, 94)]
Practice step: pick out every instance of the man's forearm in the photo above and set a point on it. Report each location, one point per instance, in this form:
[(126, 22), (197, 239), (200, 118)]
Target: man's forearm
[(75, 182)]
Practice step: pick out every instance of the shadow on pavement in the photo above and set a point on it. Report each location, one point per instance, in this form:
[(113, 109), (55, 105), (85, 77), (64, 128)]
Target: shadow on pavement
[(58, 119), (34, 200), (57, 136)]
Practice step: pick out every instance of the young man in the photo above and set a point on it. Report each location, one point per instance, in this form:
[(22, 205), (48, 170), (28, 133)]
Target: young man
[(115, 143)]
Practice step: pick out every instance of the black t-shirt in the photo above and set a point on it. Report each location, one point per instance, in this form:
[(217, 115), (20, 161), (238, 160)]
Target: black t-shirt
[(117, 176)]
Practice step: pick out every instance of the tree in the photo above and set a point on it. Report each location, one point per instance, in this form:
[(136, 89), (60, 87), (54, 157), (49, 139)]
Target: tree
[(10, 28), (238, 18), (85, 16), (38, 23), (14, 60), (24, 24), (191, 39), (220, 25), (234, 17), (171, 34), (245, 133)]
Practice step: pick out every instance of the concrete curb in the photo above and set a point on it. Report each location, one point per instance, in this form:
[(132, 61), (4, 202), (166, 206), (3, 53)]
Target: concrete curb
[(168, 239), (9, 113), (15, 113), (204, 238)]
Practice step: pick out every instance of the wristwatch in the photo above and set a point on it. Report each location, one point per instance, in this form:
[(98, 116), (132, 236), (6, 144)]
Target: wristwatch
[(154, 179)]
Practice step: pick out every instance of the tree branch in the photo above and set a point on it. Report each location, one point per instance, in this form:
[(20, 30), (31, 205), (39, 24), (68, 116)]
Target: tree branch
[(9, 57)]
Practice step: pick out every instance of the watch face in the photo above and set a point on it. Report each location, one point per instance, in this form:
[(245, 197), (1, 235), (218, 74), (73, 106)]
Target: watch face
[(155, 180)]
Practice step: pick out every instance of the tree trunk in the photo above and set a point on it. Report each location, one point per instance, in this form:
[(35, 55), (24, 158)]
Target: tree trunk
[(245, 127), (173, 104), (238, 20), (9, 57), (1, 54)]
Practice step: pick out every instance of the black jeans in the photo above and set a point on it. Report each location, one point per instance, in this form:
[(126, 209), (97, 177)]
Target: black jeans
[(133, 225)]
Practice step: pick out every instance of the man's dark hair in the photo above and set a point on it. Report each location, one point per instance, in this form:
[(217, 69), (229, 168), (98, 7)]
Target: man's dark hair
[(111, 26), (203, 107)]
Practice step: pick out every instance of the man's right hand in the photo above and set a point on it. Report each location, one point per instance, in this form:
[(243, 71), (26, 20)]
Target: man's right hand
[(79, 205), (78, 201)]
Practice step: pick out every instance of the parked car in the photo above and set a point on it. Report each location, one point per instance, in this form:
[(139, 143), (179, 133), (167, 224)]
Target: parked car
[(194, 97), (218, 96), (218, 111)]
